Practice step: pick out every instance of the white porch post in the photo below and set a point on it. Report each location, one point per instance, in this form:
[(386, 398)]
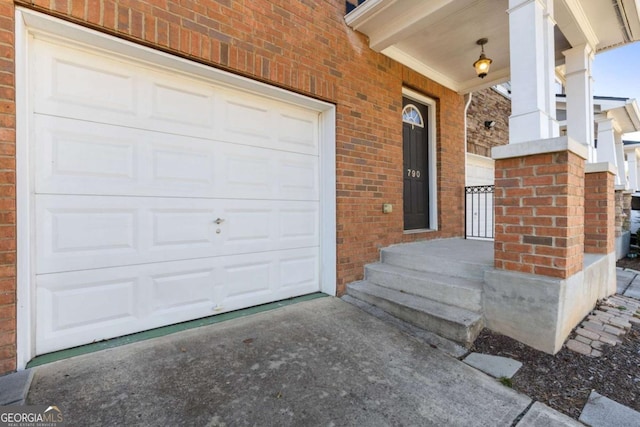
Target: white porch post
[(580, 99), (532, 71), (622, 173), (606, 141), (633, 170)]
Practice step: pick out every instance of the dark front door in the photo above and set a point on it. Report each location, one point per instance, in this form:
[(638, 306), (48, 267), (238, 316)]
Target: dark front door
[(416, 173)]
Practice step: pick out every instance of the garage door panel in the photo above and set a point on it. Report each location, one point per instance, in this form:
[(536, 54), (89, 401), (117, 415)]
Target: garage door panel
[(66, 307), (158, 294), (253, 120), (250, 225), (93, 87), (246, 173), (73, 154), (78, 157), (62, 78), (299, 271), (86, 232), (161, 197), (68, 153), (246, 121), (182, 105), (290, 224), (298, 177), (72, 83), (79, 307), (103, 302), (183, 289), (265, 174), (257, 276), (175, 228), (247, 277), (300, 131), (299, 223)]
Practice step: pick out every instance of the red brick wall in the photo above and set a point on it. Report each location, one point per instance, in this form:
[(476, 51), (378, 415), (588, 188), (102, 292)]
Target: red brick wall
[(599, 213), (304, 46), (539, 211), (7, 191)]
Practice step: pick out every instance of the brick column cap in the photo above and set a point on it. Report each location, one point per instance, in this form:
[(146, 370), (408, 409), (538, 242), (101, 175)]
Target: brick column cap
[(601, 167), (540, 146)]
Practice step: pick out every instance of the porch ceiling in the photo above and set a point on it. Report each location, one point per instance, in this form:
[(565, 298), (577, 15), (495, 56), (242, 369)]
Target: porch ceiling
[(438, 37)]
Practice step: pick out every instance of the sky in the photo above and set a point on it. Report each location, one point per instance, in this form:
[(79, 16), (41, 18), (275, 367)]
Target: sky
[(616, 72)]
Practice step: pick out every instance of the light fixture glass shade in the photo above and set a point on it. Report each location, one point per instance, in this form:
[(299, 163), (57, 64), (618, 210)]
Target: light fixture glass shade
[(482, 65)]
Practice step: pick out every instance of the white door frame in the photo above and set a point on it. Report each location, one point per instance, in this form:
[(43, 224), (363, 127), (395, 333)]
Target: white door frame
[(29, 23)]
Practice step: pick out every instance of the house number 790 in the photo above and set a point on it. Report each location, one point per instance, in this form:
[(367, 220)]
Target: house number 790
[(413, 173)]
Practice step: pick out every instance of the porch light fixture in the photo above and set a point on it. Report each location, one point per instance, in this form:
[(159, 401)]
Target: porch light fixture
[(483, 63), (489, 124)]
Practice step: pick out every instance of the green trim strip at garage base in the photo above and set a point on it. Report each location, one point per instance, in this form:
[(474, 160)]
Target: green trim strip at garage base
[(166, 330)]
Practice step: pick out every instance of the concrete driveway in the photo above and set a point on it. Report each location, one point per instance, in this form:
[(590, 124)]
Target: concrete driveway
[(321, 362)]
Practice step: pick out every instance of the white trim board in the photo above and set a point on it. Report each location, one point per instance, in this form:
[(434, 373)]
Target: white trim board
[(30, 24)]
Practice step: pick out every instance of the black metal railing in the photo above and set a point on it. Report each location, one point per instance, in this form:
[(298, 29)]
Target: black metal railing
[(352, 4), (479, 212)]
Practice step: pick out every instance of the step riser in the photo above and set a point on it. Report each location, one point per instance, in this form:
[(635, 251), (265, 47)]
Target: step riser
[(439, 265), (445, 328), (461, 297)]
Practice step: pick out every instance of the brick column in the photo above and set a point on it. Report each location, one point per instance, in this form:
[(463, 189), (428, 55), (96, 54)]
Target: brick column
[(599, 209), (539, 209)]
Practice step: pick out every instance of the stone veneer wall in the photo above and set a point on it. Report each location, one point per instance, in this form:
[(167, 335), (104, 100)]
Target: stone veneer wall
[(487, 105), (620, 216), (626, 210)]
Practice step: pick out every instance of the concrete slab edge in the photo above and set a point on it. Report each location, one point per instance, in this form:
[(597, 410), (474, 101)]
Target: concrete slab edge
[(435, 341), (21, 381), (496, 366), (541, 415), (166, 330), (602, 411)]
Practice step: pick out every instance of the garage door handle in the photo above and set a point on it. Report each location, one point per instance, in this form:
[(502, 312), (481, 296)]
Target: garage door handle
[(219, 221)]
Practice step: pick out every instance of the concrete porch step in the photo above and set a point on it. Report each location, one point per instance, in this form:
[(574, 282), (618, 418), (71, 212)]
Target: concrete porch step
[(454, 323), (456, 291), (449, 257)]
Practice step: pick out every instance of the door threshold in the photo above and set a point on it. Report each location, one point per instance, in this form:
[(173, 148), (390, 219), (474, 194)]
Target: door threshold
[(418, 230), (166, 330)]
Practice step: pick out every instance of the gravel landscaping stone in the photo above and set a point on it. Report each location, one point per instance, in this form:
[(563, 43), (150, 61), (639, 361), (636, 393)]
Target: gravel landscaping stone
[(564, 381)]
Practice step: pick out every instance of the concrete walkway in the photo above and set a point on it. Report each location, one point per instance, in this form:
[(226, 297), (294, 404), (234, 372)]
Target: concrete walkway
[(628, 282), (321, 362)]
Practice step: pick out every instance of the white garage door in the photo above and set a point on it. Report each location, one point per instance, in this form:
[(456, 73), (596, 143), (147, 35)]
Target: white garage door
[(161, 197)]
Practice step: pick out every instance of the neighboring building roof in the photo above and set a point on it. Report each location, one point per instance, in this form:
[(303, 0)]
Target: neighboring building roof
[(597, 98), (624, 111)]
